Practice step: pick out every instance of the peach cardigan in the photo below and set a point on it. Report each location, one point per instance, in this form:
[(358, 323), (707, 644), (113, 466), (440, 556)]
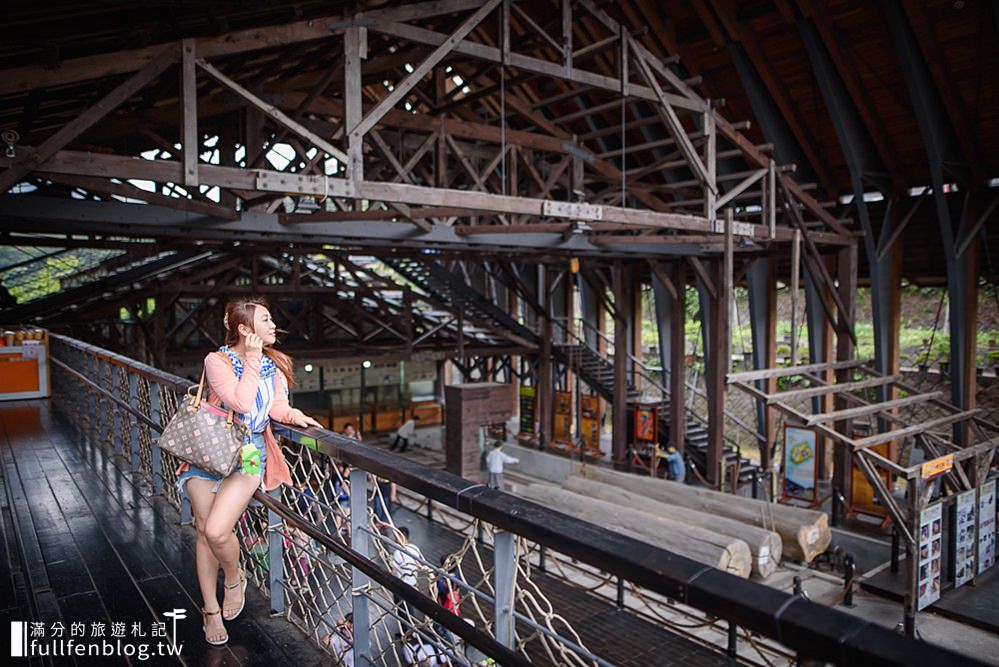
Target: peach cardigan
[(240, 395)]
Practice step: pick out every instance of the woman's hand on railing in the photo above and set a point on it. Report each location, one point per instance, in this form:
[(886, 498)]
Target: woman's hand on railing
[(302, 420)]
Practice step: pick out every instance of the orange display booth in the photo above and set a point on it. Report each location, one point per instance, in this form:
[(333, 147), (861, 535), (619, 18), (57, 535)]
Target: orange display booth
[(24, 363)]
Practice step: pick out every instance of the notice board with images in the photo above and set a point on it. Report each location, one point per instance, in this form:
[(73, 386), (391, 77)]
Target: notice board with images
[(563, 416), (527, 410), (930, 555), (800, 472), (964, 558), (986, 525)]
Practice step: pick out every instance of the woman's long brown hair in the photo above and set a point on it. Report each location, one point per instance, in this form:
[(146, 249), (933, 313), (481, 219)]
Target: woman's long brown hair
[(241, 311)]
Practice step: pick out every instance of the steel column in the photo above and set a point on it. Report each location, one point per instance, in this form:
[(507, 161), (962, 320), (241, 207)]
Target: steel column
[(504, 578), (358, 580), (761, 278)]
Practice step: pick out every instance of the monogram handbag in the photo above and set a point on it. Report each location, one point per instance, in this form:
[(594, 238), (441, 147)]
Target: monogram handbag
[(204, 435)]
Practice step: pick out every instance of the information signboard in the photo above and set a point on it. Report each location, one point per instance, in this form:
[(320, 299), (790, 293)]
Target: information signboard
[(930, 555), (800, 473), (527, 410), (964, 558), (986, 526)]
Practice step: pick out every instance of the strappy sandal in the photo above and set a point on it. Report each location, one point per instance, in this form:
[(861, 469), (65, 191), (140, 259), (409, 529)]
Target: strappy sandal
[(242, 581), (204, 626)]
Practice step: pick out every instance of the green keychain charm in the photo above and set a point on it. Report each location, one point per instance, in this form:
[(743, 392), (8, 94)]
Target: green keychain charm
[(251, 459)]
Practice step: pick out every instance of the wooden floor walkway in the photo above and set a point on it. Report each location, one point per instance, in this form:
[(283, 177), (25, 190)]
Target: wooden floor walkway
[(83, 543)]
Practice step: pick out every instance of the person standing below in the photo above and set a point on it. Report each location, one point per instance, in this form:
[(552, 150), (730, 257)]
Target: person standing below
[(405, 565), (351, 432), (341, 640), (676, 469), (403, 435), (495, 461)]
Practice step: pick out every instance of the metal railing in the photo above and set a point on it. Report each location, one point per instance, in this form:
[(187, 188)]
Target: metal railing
[(335, 559)]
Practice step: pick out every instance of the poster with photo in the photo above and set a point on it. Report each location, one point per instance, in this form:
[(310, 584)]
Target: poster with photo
[(986, 526), (799, 462), (964, 559), (527, 410), (930, 550)]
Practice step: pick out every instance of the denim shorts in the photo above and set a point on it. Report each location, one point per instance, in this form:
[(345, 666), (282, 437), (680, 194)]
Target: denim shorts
[(194, 471)]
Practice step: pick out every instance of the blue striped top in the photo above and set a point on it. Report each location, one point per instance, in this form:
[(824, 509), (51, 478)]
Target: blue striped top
[(258, 418)]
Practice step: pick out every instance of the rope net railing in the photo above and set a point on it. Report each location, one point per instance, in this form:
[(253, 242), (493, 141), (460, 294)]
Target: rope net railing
[(313, 583), (331, 545), (707, 630)]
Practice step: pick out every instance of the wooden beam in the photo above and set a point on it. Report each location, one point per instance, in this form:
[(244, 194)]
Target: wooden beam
[(78, 125), (530, 64), (619, 407), (873, 408), (31, 77), (837, 388), (717, 364), (190, 143), (678, 357), (421, 70), (273, 112), (879, 438), (103, 186), (664, 278), (672, 122), (767, 373), (709, 284)]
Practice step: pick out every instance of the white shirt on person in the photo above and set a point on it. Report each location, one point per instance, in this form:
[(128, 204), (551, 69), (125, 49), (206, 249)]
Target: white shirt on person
[(424, 654), (495, 460), (406, 430), (406, 562), (342, 648)]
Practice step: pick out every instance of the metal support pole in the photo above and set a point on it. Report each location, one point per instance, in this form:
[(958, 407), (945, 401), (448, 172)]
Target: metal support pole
[(894, 551), (733, 636), (361, 428), (542, 558), (116, 417), (89, 364), (98, 400), (275, 556), (133, 400), (850, 567), (359, 580), (504, 577), (620, 593), (910, 599), (156, 468)]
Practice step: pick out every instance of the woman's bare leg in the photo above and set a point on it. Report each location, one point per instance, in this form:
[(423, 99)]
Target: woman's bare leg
[(230, 502), (199, 490)]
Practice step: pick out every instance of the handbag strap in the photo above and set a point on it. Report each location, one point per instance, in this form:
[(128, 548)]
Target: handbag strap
[(201, 389)]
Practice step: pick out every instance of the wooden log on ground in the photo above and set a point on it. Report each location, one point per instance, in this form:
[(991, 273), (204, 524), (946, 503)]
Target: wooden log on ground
[(704, 546), (804, 532), (765, 545)]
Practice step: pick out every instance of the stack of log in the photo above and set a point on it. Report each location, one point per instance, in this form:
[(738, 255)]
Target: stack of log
[(804, 533), (739, 535), (764, 545), (700, 544)]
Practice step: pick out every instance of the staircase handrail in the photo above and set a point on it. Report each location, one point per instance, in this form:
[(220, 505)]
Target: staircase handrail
[(646, 371)]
